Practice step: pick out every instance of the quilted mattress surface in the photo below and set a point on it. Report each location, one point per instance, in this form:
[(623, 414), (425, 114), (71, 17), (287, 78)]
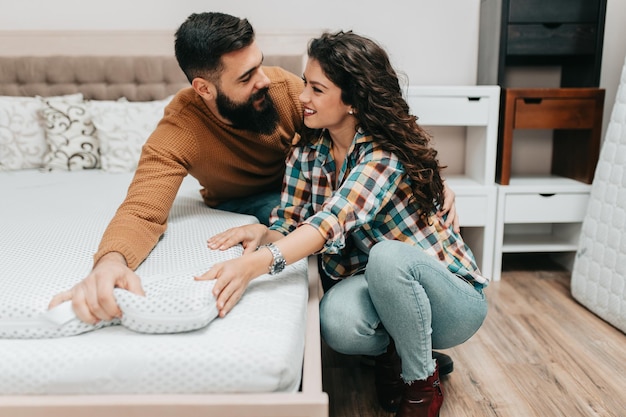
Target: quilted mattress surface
[(599, 273), (51, 225)]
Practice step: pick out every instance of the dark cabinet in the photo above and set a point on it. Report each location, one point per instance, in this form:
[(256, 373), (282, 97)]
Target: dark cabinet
[(564, 33)]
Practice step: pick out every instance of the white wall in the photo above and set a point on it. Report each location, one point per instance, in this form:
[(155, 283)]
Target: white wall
[(613, 54), (433, 42)]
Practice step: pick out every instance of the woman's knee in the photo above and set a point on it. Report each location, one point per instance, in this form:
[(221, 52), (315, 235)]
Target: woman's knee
[(383, 258), (393, 262), (393, 254), (347, 317), (330, 327), (338, 326)]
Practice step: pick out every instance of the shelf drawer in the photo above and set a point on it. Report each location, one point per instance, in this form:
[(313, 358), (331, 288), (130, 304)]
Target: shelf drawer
[(551, 39), (554, 113), (472, 209), (553, 11), (450, 111), (545, 208)]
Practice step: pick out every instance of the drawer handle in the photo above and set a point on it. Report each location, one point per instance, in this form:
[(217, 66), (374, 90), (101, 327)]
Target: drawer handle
[(473, 98), (532, 100), (547, 194), (552, 25)]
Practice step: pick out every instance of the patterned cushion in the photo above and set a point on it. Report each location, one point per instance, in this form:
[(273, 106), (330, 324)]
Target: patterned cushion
[(71, 136), (22, 135)]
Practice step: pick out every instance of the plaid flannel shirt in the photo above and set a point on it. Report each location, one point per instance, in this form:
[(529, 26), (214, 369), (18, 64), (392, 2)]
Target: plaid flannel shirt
[(369, 204)]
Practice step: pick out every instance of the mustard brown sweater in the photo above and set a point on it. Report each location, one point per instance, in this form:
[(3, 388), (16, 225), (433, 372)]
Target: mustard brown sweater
[(227, 162)]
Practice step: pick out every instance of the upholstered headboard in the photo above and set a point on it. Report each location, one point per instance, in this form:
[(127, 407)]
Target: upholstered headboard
[(138, 78)]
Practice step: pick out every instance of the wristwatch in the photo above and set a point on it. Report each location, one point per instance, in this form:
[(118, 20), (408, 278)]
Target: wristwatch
[(279, 262)]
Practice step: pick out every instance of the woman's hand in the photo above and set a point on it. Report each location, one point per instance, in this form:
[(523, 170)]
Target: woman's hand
[(233, 276), (250, 236), (449, 207)]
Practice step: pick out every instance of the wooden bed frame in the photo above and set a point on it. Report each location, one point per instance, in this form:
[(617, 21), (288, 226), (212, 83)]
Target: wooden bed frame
[(310, 400)]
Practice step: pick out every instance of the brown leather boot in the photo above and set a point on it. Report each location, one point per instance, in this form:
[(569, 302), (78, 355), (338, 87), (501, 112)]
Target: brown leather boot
[(389, 384), (422, 398)]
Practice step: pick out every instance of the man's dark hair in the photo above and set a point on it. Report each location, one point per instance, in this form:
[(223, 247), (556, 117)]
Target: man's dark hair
[(204, 37)]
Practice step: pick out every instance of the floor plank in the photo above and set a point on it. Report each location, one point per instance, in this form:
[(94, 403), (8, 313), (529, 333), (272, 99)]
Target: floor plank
[(538, 354)]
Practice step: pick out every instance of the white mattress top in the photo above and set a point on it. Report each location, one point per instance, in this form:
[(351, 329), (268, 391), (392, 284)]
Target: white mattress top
[(51, 225)]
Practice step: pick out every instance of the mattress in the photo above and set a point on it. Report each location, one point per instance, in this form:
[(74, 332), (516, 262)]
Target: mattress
[(599, 272), (51, 225)]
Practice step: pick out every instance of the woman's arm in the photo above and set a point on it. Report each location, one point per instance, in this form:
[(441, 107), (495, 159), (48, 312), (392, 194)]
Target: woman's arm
[(233, 276)]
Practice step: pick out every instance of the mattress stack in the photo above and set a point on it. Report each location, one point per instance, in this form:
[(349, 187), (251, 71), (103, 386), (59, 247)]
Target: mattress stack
[(599, 273)]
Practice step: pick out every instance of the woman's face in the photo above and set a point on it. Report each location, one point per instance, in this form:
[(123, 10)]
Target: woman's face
[(321, 98)]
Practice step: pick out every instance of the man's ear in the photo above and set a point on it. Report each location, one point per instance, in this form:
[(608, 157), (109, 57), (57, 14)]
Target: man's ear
[(203, 88)]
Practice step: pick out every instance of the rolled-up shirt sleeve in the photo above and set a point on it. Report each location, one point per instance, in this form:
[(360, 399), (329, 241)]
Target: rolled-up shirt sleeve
[(368, 187)]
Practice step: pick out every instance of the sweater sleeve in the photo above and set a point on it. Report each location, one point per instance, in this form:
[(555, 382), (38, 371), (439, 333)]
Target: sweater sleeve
[(141, 219)]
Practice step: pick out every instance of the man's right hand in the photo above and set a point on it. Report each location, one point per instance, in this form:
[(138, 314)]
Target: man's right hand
[(92, 298)]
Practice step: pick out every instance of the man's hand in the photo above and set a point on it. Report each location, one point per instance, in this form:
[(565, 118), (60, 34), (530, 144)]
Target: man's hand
[(450, 208), (92, 298)]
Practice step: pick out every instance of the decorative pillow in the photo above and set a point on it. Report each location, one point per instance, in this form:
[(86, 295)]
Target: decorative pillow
[(122, 129), (71, 136), (173, 305), (22, 135)]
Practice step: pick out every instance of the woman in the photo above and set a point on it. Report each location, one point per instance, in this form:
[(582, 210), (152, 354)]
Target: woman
[(362, 189)]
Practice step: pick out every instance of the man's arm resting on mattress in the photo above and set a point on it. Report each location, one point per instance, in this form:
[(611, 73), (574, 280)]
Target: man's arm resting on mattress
[(92, 298)]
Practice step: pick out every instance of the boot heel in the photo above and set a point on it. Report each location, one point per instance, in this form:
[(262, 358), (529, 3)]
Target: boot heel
[(389, 384), (422, 398)]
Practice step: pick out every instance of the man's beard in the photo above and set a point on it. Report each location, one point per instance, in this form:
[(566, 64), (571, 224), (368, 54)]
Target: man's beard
[(245, 116)]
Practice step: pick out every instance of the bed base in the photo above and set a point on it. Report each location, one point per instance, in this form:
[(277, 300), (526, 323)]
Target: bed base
[(310, 401)]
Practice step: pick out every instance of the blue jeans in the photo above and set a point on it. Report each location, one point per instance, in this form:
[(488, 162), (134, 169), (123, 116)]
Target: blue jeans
[(258, 205), (407, 295)]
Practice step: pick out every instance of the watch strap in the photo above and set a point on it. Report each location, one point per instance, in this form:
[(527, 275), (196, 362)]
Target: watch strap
[(278, 263)]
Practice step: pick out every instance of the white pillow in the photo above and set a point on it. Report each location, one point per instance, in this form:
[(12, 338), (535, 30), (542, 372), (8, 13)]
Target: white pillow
[(122, 129), (22, 135), (71, 136), (172, 305), (176, 305)]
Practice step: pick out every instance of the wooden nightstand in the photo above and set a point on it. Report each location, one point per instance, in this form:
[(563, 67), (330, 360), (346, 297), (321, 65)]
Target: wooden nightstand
[(575, 114)]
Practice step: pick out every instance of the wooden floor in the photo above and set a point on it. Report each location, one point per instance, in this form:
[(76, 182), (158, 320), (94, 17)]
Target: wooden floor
[(538, 354)]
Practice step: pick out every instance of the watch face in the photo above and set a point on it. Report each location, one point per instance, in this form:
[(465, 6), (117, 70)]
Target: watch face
[(279, 261), (278, 266)]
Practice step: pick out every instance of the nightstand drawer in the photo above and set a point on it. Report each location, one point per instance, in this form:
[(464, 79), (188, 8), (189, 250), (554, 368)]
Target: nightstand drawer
[(551, 39), (554, 113), (545, 208), (450, 111), (553, 11)]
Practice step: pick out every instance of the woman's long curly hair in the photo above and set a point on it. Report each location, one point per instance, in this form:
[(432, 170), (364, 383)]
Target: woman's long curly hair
[(368, 82)]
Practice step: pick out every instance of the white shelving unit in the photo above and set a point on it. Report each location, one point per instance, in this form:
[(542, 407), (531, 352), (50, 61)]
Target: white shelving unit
[(542, 201), (464, 123), (539, 215)]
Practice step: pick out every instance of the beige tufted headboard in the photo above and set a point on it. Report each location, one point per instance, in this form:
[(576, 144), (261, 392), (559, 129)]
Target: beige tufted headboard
[(138, 78)]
